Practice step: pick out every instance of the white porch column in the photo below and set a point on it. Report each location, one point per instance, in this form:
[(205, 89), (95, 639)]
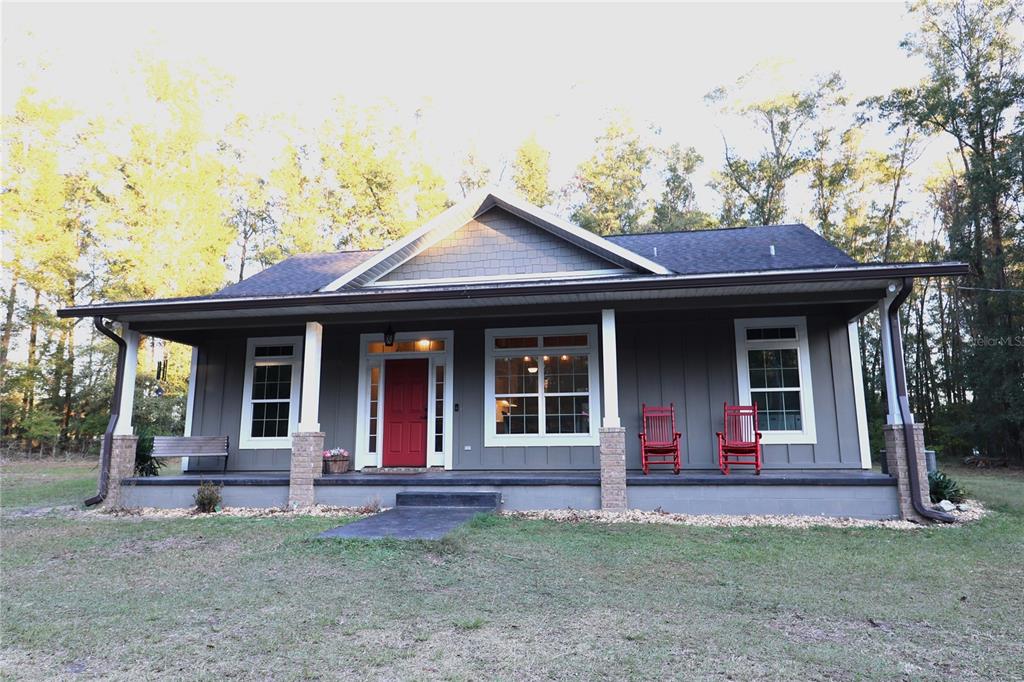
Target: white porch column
[(309, 416), (609, 370), (190, 401), (131, 361), (853, 334), (888, 361)]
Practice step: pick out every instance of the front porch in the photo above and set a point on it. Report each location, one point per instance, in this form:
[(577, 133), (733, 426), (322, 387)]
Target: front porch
[(856, 494)]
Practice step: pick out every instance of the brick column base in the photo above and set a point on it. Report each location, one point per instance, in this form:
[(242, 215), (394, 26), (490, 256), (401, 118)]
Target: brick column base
[(122, 465), (896, 459), (613, 469), (307, 464)]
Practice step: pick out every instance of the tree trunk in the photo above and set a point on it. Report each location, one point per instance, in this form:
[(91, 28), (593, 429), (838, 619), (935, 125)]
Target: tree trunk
[(5, 344), (33, 338)]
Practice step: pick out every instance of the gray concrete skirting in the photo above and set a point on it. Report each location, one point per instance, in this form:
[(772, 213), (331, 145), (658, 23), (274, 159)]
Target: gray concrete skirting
[(855, 501), (183, 496)]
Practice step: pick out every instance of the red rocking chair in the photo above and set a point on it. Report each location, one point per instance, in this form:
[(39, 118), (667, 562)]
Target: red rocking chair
[(659, 440), (740, 443)]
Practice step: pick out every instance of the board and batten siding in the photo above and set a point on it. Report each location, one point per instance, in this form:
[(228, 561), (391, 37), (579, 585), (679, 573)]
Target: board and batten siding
[(663, 358), (692, 363)]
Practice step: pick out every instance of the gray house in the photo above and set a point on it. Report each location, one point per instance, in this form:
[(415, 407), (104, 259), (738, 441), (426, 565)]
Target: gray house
[(501, 348)]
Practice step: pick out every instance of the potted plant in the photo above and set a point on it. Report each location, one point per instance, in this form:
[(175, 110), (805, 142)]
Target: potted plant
[(336, 461)]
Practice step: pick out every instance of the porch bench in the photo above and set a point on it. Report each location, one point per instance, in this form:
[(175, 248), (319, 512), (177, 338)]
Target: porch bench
[(191, 446)]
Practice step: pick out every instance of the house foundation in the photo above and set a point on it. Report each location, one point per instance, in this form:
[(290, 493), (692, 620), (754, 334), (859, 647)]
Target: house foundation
[(306, 465)]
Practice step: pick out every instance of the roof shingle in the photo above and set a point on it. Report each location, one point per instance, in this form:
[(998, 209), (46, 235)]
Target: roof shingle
[(740, 249), (301, 274)]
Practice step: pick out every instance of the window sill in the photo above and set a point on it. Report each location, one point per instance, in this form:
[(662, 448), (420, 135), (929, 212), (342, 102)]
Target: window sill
[(265, 444), (542, 441), (788, 438)]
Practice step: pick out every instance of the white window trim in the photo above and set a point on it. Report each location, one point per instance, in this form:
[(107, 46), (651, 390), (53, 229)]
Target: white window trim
[(808, 435), (494, 439), (245, 441), (363, 456)]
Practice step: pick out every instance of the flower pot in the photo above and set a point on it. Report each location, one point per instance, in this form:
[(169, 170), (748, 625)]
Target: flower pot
[(336, 466)]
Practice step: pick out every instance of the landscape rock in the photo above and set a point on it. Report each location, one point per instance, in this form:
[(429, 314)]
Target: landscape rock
[(946, 506)]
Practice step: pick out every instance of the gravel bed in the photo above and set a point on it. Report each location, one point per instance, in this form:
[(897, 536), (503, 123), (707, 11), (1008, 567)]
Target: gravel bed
[(971, 511)]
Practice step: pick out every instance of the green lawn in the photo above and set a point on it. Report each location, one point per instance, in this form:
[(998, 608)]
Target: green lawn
[(46, 482), (218, 598)]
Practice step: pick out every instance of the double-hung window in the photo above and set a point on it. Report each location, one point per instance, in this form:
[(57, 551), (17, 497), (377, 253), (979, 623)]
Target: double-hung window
[(774, 371), (542, 386), (270, 394)]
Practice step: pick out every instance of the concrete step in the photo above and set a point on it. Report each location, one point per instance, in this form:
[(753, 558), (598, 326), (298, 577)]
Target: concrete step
[(478, 500)]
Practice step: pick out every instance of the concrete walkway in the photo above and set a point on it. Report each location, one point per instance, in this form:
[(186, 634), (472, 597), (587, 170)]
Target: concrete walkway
[(407, 523)]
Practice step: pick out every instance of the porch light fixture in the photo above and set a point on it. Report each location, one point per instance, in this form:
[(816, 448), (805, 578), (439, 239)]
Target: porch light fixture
[(389, 337), (424, 344)]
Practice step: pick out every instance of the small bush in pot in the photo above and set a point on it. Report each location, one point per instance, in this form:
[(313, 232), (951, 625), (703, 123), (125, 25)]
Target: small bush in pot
[(336, 461), (207, 498)]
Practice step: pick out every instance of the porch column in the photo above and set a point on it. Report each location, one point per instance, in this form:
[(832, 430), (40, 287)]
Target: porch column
[(888, 361), (131, 361), (123, 440), (612, 434), (308, 441), (190, 401), (898, 459)]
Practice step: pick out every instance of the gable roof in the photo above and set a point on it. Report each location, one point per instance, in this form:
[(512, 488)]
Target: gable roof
[(742, 249), (301, 274), (473, 206), (739, 249)]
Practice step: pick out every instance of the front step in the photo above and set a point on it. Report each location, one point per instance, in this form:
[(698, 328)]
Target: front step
[(481, 500)]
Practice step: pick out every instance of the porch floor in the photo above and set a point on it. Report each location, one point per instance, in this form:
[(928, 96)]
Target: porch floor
[(693, 477)]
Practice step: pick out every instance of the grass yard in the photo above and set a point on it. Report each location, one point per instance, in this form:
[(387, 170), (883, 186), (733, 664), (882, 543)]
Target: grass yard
[(221, 598)]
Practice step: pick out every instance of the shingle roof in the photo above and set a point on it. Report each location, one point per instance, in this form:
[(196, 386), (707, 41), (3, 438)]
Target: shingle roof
[(302, 274), (741, 249)]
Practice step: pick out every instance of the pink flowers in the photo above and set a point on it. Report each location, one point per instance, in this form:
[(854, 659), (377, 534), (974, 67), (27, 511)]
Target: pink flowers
[(336, 453)]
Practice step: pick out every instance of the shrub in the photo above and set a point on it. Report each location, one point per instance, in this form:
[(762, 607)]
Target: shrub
[(207, 498), (942, 487), (145, 463)]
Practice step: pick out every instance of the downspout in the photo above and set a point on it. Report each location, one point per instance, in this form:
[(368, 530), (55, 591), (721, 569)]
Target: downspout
[(913, 456), (115, 407)]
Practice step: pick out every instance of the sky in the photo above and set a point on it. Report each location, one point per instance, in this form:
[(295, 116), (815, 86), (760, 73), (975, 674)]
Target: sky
[(483, 77)]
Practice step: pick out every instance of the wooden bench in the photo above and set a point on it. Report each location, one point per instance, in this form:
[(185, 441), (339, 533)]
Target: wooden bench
[(191, 446)]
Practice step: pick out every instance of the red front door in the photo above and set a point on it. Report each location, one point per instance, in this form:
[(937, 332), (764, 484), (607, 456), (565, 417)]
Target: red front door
[(405, 413)]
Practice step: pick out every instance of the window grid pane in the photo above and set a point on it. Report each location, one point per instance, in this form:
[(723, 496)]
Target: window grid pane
[(517, 415), (271, 395), (439, 408), (374, 407)]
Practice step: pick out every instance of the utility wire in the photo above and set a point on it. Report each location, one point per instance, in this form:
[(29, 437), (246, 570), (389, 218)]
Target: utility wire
[(1005, 291)]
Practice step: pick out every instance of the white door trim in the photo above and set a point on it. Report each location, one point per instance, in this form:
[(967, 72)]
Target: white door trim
[(363, 457)]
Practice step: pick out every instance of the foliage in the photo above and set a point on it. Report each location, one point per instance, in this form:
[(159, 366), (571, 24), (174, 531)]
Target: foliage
[(530, 172), (145, 463), (40, 425), (475, 173), (610, 184), (677, 208), (754, 189), (942, 487), (973, 95), (208, 497)]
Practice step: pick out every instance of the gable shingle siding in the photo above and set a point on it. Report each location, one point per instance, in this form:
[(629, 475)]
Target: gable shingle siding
[(497, 243)]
